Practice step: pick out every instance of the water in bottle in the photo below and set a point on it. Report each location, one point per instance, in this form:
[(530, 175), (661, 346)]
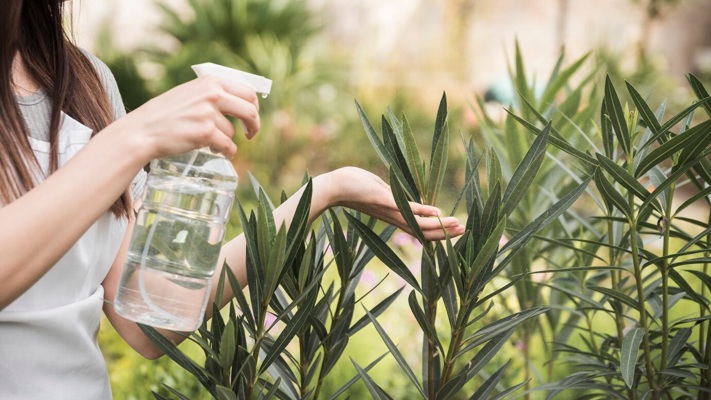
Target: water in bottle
[(176, 241)]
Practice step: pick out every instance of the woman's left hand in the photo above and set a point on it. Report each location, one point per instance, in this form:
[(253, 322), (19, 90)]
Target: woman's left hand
[(365, 192)]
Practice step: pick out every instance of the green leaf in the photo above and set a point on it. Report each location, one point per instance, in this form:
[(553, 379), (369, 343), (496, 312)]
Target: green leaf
[(429, 330), (355, 379), (691, 292), (483, 356), (611, 196), (404, 206), (677, 344), (526, 171), (557, 141), (181, 359), (520, 82), (692, 139), (487, 252), (628, 355), (505, 394), (692, 150), (375, 312), (545, 218), (396, 353), (490, 384), (374, 138), (438, 162), (440, 124), (493, 172), (225, 393), (228, 346), (561, 80), (621, 176), (375, 391), (399, 165), (617, 117), (498, 327), (413, 156), (617, 295), (700, 91), (294, 326), (383, 252), (650, 119)]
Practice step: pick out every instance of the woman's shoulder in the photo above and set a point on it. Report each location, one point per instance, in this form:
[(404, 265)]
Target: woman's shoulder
[(109, 82), (101, 68)]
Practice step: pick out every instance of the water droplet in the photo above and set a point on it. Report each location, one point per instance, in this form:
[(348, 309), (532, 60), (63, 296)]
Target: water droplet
[(264, 95)]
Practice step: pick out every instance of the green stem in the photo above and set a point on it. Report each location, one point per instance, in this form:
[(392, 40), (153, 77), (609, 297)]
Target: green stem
[(665, 283), (456, 344), (430, 306), (615, 281), (326, 353), (707, 360), (642, 305), (615, 277), (303, 367), (704, 330)]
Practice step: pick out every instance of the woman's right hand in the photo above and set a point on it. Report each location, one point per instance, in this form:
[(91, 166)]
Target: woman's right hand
[(192, 116)]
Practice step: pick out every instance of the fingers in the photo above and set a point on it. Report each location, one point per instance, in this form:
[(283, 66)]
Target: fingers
[(240, 101)]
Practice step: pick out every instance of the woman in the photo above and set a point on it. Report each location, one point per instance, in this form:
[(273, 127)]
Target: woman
[(70, 176)]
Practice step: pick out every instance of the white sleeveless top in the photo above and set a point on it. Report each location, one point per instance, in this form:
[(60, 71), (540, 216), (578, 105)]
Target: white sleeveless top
[(48, 346)]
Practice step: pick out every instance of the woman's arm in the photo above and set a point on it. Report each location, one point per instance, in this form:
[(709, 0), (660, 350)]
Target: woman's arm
[(37, 229), (349, 187)]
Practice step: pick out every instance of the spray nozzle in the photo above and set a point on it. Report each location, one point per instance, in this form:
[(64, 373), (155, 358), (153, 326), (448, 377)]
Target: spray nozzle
[(260, 84)]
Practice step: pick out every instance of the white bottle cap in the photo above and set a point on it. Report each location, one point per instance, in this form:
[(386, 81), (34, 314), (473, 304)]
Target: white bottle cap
[(260, 84)]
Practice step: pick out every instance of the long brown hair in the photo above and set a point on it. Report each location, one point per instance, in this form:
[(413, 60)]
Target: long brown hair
[(34, 28)]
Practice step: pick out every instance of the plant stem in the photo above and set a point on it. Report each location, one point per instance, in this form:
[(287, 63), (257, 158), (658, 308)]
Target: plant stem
[(336, 317), (632, 220), (457, 333), (665, 282), (615, 278), (642, 307), (704, 340), (430, 306)]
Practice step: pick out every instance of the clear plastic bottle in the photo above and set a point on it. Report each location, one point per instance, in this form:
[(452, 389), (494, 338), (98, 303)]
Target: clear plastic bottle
[(179, 230), (177, 239)]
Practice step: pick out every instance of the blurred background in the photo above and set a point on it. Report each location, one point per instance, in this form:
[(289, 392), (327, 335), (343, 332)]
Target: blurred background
[(323, 54), (398, 54)]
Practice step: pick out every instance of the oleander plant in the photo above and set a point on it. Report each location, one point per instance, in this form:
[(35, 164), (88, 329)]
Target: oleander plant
[(583, 271)]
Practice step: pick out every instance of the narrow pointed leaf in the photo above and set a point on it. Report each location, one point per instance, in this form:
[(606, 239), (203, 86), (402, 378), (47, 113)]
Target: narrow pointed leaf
[(617, 295), (404, 206), (440, 123), (628, 354), (650, 119), (557, 141), (526, 171), (383, 252), (413, 156), (438, 164), (375, 312), (692, 138), (375, 391), (621, 176), (396, 353), (490, 384), (700, 91), (611, 195), (355, 379), (176, 355), (374, 138), (293, 326), (546, 217), (617, 117), (399, 165)]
